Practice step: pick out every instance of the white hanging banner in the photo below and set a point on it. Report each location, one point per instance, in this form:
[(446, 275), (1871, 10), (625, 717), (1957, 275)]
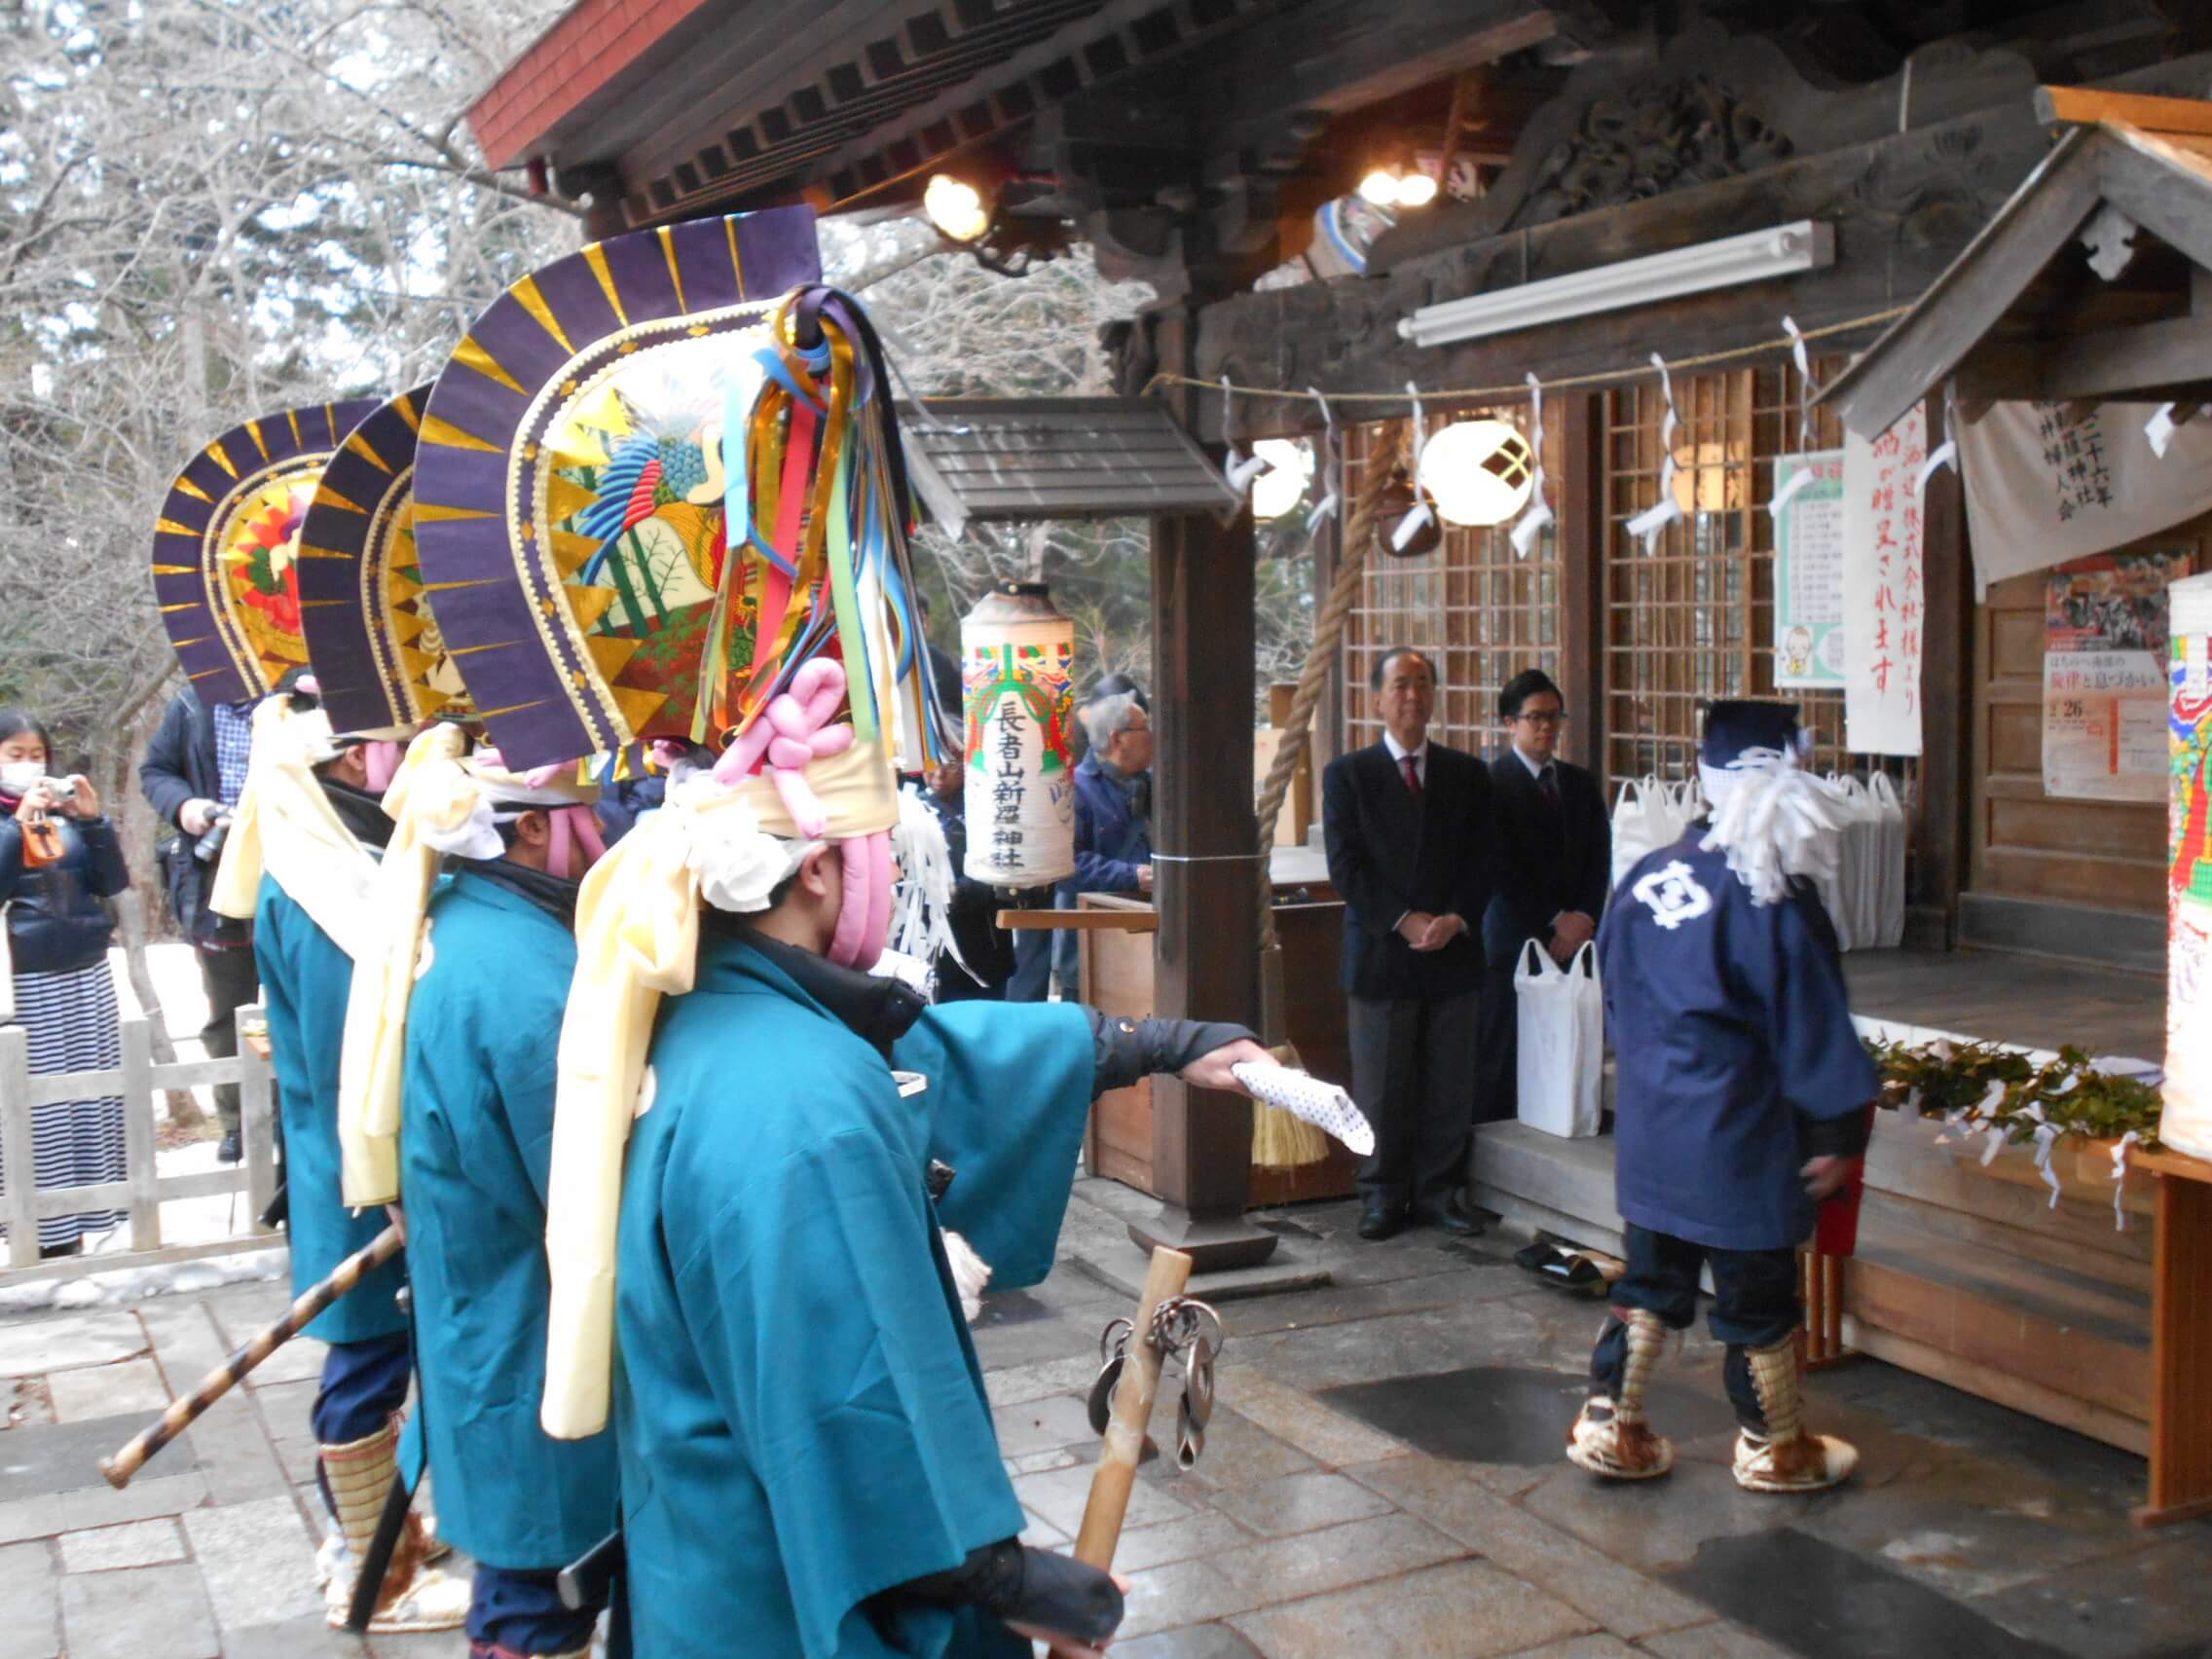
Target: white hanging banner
[(1882, 588), (2042, 490)]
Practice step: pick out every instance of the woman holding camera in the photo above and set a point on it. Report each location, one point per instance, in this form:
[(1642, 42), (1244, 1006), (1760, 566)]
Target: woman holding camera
[(59, 858)]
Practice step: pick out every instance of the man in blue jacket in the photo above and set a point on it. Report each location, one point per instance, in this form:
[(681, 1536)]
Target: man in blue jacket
[(1113, 819), (1742, 1096)]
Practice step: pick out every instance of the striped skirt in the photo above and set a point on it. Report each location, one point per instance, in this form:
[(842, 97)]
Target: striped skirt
[(72, 1021)]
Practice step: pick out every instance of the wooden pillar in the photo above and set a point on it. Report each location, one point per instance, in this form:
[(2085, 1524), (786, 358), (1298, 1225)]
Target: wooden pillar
[(1205, 844), (1947, 709), (1581, 530)]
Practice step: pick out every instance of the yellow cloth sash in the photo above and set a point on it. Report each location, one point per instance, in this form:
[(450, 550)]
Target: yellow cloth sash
[(638, 940), (285, 826), (433, 796)]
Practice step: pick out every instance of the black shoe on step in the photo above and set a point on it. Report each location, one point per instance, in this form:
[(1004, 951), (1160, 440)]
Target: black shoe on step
[(230, 1152), (1452, 1216), (1380, 1221)]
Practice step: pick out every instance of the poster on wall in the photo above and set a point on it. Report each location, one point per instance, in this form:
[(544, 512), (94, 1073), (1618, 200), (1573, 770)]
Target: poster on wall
[(2187, 1122), (1808, 570), (2105, 676), (1883, 587)]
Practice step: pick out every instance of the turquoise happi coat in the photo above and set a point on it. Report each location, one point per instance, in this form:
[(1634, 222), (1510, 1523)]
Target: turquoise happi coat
[(799, 1410), (475, 1144), (305, 977)]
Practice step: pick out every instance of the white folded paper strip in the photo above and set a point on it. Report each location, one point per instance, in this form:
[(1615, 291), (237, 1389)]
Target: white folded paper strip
[(1301, 1095)]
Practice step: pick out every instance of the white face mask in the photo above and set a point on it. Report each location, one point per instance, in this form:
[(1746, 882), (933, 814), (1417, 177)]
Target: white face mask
[(20, 777)]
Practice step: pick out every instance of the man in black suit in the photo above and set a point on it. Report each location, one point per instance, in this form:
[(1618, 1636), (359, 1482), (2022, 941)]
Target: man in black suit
[(1555, 854), (1408, 824)]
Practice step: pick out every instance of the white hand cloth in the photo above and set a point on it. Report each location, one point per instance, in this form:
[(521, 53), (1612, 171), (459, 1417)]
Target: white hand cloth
[(1304, 1095)]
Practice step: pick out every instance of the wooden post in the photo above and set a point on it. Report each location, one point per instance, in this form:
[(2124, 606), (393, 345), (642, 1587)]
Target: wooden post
[(1581, 531), (138, 1150), (257, 1116), (1946, 702), (1204, 840), (19, 1149)]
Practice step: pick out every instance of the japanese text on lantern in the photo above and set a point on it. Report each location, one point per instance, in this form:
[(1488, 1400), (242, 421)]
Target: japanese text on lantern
[(1009, 784)]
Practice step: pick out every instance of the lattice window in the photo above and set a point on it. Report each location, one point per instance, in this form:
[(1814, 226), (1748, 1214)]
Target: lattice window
[(1692, 620), (1480, 612)]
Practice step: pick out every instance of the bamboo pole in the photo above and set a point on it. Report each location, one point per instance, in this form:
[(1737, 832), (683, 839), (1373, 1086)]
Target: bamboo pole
[(1133, 1394)]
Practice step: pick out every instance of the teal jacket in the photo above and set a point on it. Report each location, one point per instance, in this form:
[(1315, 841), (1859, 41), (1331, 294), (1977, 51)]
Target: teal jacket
[(475, 1143), (305, 979), (799, 1411)]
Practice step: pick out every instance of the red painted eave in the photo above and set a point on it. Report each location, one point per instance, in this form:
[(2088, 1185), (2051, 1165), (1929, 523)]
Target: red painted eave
[(586, 52)]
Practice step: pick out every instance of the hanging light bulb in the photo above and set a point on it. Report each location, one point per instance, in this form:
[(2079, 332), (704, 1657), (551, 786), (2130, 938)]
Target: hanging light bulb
[(1380, 188), (1279, 489), (1478, 472), (956, 207), (1416, 190)]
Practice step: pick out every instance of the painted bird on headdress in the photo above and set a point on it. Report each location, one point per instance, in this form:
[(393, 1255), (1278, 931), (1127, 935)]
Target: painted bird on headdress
[(658, 466)]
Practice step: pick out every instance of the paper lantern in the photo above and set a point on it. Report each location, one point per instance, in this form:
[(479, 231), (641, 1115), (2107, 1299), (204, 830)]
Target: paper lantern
[(1018, 655), (1478, 472), (2186, 1123), (1279, 489)]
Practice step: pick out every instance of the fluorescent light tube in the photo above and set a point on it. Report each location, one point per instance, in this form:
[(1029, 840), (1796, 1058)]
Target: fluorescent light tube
[(1756, 256)]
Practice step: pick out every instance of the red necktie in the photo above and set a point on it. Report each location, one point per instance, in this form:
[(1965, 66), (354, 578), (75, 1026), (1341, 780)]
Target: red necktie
[(1413, 779)]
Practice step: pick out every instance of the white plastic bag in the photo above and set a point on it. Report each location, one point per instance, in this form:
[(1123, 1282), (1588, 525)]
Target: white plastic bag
[(1647, 815), (1889, 843), (1844, 895), (1561, 1015)]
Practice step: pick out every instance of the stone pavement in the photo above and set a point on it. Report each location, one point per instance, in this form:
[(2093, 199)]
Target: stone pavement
[(1381, 1478)]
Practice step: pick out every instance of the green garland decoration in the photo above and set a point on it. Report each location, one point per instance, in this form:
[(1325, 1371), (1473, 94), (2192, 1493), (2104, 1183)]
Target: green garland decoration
[(2074, 1097)]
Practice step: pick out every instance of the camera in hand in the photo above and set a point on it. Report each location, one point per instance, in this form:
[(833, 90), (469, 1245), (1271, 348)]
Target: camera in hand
[(60, 791), (209, 847)]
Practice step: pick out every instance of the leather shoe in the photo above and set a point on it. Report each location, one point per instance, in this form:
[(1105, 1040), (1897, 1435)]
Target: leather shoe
[(1452, 1216), (1380, 1221), (230, 1152)]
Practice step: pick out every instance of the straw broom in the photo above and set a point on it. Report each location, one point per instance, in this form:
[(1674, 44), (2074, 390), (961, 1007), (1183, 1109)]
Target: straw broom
[(1280, 1141)]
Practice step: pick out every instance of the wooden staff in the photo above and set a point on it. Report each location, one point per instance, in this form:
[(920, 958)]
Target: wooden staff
[(182, 1414), (1133, 1392)]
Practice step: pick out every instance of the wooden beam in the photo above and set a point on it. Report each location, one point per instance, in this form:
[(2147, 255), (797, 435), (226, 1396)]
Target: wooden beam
[(1946, 700), (1935, 183), (2154, 360), (1582, 576), (2166, 189), (1966, 300), (2077, 106)]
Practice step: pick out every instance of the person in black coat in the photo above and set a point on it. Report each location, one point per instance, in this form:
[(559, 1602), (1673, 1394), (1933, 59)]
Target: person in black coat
[(192, 774), (984, 946), (1555, 853), (1409, 828)]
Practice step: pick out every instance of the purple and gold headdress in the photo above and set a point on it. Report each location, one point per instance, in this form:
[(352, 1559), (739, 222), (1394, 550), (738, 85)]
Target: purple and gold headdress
[(378, 658), (224, 574)]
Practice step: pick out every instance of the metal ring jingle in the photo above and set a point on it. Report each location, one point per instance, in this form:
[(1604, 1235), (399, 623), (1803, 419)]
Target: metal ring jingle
[(1114, 1338), (1197, 1384), (1190, 1437), (1100, 1405)]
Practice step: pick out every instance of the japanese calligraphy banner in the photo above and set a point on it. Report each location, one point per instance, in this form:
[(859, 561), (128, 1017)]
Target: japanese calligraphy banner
[(1808, 570), (2042, 490), (1883, 584)]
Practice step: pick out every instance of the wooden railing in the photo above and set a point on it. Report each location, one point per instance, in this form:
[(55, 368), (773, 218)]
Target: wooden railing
[(143, 1190)]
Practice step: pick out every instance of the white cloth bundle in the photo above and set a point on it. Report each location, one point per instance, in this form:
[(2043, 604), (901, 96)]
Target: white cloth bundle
[(1774, 820), (1304, 1095)]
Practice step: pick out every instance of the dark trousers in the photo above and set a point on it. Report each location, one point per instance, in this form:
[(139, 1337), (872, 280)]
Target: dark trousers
[(362, 1384), (1755, 1305), (1413, 1073), (514, 1613), (1032, 980), (1497, 1089), (232, 981)]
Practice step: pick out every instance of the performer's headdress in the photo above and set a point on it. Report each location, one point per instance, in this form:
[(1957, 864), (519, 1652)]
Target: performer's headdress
[(660, 497), (225, 548), (442, 800), (1772, 818), (378, 659)]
